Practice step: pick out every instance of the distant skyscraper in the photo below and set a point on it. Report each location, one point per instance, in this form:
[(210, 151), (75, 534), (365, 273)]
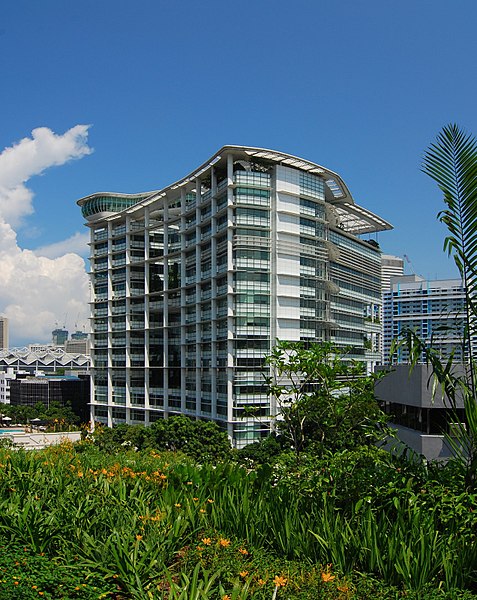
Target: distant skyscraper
[(391, 266), (79, 335), (3, 333), (59, 337)]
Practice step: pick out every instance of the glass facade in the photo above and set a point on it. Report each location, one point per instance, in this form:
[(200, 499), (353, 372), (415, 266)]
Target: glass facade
[(109, 203)]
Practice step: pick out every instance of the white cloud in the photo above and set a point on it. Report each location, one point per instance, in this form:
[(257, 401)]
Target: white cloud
[(32, 156), (77, 243), (38, 288)]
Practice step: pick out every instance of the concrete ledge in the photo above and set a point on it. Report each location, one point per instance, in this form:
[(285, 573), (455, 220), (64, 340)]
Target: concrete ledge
[(433, 447)]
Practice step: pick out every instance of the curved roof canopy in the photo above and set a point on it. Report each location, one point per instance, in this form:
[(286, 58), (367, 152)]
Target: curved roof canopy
[(352, 218)]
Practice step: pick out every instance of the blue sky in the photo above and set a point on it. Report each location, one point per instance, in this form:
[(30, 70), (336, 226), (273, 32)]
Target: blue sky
[(360, 87)]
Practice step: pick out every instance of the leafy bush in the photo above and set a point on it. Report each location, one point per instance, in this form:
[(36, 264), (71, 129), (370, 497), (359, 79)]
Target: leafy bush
[(201, 440), (266, 451), (364, 473)]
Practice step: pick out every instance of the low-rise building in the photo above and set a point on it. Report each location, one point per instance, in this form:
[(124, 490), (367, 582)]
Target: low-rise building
[(421, 418), (63, 390), (46, 358)]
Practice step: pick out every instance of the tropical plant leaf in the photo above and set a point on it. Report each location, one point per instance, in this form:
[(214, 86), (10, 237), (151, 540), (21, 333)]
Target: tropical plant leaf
[(452, 162)]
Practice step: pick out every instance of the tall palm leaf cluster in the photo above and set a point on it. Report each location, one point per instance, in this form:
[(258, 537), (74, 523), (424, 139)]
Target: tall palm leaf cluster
[(452, 162)]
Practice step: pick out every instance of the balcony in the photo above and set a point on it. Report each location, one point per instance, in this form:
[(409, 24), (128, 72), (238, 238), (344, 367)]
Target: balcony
[(98, 236), (252, 179), (137, 291)]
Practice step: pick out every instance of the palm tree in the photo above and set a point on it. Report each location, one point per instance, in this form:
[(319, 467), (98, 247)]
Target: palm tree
[(452, 162)]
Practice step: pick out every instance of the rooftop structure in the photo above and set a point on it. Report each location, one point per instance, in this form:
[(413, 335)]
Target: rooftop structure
[(43, 358), (79, 335)]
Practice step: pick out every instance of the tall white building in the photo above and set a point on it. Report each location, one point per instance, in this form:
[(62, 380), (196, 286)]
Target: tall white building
[(391, 266), (193, 284), (3, 333)]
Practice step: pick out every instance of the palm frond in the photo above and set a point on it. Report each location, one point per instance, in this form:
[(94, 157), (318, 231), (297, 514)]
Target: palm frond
[(452, 162)]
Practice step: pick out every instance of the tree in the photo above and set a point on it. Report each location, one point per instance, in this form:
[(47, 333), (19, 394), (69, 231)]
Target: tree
[(202, 440), (452, 162), (325, 400)]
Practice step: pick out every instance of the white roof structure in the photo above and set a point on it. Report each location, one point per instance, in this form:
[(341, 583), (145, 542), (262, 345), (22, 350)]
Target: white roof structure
[(352, 218), (54, 357)]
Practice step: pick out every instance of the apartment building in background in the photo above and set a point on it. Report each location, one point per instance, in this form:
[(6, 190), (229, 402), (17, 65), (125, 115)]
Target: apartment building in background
[(193, 284), (433, 309), (391, 266)]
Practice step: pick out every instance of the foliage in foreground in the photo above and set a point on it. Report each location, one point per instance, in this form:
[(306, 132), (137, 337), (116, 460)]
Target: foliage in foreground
[(28, 575), (149, 525)]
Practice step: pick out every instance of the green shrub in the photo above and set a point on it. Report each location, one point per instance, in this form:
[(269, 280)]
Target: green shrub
[(26, 575), (266, 451), (202, 440)]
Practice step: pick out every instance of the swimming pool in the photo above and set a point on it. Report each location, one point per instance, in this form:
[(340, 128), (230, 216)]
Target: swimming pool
[(12, 430)]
